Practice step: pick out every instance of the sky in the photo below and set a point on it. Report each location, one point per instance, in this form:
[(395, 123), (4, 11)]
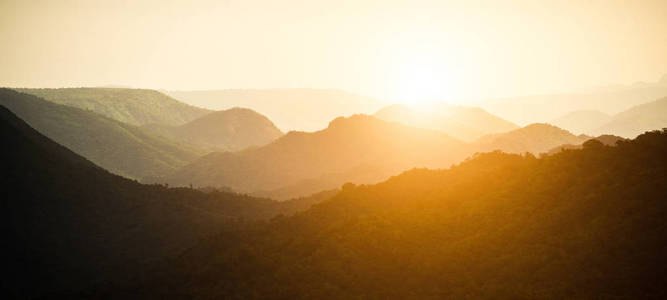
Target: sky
[(409, 50)]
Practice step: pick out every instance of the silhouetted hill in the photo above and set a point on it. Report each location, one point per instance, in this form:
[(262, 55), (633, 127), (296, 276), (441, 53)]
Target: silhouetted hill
[(641, 118), (534, 138), (582, 121), (466, 123), (69, 225), (346, 144), (118, 147), (131, 106), (228, 130), (582, 224), (289, 109)]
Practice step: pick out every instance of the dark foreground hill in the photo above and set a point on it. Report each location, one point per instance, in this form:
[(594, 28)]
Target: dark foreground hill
[(227, 130), (132, 106), (68, 224), (580, 224), (118, 147)]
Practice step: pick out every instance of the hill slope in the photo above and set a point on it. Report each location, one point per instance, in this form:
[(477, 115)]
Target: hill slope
[(465, 123), (534, 138), (131, 106), (580, 224), (630, 123), (582, 121), (347, 144), (118, 147), (228, 130), (289, 109), (69, 224)]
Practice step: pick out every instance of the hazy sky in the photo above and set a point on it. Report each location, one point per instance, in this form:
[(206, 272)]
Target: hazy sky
[(387, 49)]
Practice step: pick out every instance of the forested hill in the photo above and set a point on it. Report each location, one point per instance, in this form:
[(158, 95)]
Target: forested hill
[(132, 106), (579, 224), (69, 224)]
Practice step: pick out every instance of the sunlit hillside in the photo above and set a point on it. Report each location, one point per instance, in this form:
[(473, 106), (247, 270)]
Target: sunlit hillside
[(496, 226)]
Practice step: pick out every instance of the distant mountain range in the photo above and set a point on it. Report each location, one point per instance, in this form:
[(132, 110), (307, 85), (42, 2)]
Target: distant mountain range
[(70, 225), (289, 109), (118, 147), (298, 163), (582, 121), (634, 121), (346, 144), (629, 123), (227, 130), (465, 123), (543, 108), (358, 149)]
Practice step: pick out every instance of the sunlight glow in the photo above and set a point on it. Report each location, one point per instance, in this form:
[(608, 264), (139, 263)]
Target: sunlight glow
[(423, 71)]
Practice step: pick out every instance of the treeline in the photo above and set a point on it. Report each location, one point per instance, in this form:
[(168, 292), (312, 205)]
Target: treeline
[(579, 224)]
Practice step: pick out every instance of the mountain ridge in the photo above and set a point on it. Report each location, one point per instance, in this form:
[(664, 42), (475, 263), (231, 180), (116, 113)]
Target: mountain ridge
[(227, 130), (132, 106)]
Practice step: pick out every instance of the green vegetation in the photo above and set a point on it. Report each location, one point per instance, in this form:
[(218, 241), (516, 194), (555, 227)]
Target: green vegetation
[(579, 224), (130, 106), (118, 147), (70, 225)]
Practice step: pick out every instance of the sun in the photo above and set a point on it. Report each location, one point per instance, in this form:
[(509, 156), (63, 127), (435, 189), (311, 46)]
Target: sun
[(421, 80)]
